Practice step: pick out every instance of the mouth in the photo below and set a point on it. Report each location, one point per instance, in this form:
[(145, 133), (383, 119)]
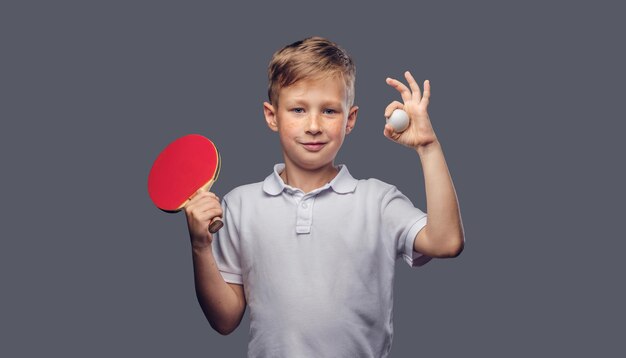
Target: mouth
[(313, 146)]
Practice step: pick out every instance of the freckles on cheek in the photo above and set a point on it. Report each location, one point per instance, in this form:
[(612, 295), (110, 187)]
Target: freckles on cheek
[(290, 127)]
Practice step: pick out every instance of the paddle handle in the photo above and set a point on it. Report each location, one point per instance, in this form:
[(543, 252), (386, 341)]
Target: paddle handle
[(215, 225)]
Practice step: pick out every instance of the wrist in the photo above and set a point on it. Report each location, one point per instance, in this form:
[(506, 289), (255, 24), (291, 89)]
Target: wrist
[(424, 150), (201, 246)]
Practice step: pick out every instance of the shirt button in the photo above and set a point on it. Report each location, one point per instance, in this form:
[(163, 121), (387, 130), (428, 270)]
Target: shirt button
[(304, 205)]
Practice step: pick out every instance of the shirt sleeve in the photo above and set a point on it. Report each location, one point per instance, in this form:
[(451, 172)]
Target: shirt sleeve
[(402, 221), (226, 248)]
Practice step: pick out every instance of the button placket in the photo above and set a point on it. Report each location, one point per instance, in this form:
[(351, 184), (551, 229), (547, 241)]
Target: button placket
[(305, 215)]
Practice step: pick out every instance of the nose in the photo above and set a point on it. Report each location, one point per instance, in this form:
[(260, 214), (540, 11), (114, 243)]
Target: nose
[(313, 125)]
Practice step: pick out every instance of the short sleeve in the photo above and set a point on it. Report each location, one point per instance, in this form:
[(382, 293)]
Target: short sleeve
[(226, 248), (402, 221)]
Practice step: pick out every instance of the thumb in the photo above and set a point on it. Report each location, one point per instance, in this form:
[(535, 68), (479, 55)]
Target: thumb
[(389, 132)]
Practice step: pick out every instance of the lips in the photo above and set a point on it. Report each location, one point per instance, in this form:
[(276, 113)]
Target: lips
[(313, 146)]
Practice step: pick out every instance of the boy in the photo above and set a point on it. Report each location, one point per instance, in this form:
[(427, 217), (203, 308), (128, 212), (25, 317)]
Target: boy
[(311, 250)]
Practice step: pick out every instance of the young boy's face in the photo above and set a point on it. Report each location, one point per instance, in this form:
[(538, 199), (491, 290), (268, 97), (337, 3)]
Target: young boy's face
[(312, 119)]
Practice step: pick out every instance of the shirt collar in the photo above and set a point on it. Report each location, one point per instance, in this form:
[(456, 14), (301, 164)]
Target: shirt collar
[(342, 183)]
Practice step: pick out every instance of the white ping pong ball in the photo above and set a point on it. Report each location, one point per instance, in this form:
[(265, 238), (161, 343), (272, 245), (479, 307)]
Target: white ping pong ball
[(399, 120)]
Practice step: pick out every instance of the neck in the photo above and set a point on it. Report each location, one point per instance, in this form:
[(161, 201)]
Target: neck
[(308, 180)]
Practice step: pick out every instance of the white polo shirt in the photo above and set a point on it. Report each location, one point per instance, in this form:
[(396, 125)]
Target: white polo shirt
[(318, 268)]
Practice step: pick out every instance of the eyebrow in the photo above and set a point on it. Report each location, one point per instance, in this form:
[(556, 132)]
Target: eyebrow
[(298, 102)]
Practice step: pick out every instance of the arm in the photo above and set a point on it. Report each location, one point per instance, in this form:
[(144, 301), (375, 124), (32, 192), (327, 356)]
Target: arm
[(443, 235), (223, 304)]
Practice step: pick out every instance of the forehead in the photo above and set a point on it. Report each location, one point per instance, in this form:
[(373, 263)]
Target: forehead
[(328, 89)]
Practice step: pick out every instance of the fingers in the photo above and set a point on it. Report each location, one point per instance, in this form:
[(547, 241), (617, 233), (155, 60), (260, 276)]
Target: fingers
[(405, 92), (201, 218), (203, 202), (426, 96), (205, 217), (392, 107), (201, 209), (200, 195), (414, 86), (200, 191), (413, 91), (390, 133)]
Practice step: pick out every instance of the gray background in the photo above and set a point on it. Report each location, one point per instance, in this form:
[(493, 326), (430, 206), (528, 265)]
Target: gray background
[(527, 101)]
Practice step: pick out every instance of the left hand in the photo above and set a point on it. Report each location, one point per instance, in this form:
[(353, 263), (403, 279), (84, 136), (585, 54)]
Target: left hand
[(420, 132)]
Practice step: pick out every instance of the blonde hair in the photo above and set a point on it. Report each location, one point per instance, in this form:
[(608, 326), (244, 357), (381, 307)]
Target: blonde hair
[(311, 58)]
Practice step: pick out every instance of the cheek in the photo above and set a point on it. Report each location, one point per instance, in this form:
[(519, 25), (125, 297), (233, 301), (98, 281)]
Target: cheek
[(290, 129), (339, 129), (287, 126)]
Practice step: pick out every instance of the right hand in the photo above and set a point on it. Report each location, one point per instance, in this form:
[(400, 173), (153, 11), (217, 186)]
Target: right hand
[(201, 209)]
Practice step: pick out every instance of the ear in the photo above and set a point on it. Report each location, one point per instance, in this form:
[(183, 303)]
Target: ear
[(270, 116), (351, 119)]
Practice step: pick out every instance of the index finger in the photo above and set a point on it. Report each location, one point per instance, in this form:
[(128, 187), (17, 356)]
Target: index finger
[(200, 196), (400, 87)]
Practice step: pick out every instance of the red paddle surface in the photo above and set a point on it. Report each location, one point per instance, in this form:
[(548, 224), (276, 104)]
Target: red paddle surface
[(183, 167)]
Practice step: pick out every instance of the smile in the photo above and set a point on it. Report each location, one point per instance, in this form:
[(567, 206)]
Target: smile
[(314, 146)]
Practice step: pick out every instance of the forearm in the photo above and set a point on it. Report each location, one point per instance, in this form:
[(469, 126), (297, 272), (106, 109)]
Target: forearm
[(218, 301), (444, 228)]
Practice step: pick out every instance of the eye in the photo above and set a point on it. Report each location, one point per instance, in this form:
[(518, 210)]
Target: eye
[(298, 110), (329, 111)]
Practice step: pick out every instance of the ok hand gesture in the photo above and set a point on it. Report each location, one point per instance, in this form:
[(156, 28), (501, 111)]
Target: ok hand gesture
[(419, 133)]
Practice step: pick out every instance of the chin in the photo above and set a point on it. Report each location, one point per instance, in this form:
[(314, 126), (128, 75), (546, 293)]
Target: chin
[(312, 165)]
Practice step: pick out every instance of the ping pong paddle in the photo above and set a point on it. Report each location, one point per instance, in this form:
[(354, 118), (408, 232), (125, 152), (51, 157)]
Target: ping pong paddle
[(186, 165)]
